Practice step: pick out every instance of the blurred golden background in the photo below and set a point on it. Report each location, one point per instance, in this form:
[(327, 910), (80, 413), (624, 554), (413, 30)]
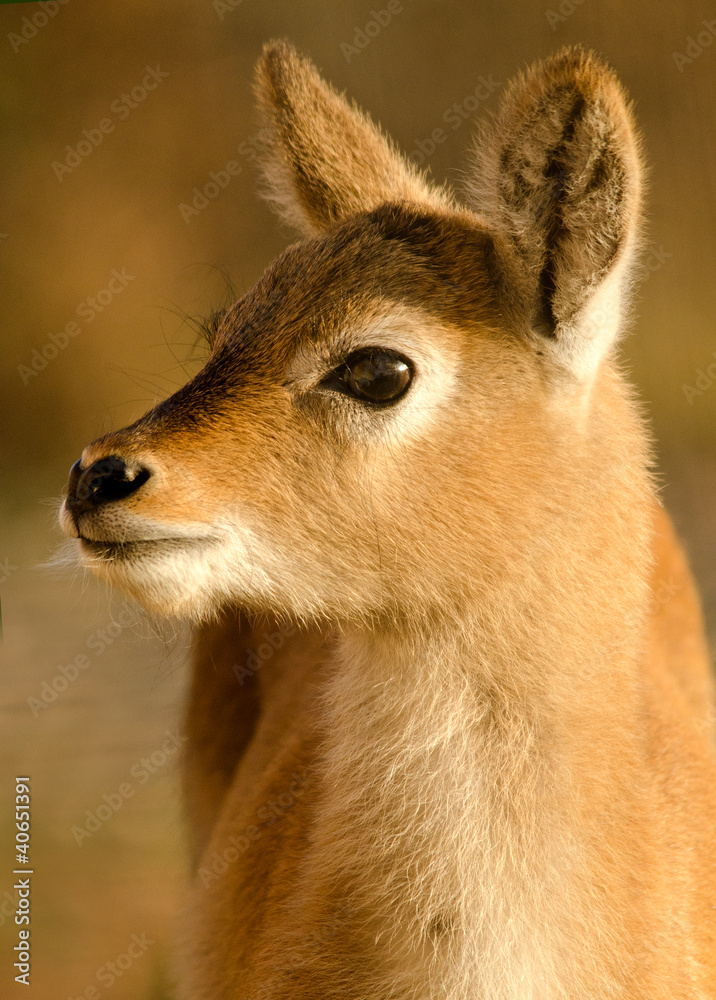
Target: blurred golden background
[(114, 115)]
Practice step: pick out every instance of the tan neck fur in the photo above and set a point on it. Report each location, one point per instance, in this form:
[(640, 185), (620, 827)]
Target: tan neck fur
[(483, 773)]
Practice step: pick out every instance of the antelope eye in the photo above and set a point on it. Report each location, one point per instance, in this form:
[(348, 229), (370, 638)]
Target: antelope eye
[(373, 374)]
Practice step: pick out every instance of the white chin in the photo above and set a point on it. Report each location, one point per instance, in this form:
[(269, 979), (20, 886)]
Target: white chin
[(195, 577), (183, 577)]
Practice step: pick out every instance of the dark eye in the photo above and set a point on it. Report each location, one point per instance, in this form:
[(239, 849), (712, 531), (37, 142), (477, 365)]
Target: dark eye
[(373, 374)]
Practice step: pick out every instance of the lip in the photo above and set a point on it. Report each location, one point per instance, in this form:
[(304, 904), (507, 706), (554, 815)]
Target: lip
[(139, 548)]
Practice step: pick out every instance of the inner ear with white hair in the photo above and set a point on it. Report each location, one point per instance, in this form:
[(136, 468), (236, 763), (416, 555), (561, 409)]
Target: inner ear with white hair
[(557, 173)]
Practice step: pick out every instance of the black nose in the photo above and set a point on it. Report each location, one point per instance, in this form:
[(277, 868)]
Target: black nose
[(102, 482)]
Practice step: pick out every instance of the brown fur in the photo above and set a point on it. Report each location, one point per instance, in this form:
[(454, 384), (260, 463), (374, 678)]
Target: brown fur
[(472, 754)]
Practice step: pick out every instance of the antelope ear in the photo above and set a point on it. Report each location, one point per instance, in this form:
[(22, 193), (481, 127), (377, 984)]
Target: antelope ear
[(323, 159), (558, 174)]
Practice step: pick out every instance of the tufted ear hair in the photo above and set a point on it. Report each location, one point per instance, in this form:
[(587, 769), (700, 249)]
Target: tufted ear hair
[(323, 159), (558, 174)]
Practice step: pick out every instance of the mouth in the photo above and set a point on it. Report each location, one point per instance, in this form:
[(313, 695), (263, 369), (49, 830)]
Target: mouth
[(113, 551)]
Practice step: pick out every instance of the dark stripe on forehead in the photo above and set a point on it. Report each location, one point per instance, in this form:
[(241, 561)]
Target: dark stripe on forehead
[(397, 253)]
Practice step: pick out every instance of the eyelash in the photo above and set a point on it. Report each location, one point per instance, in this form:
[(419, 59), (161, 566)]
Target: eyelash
[(335, 378)]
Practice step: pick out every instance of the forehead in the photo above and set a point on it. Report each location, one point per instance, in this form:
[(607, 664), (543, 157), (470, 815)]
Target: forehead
[(318, 290), (393, 255)]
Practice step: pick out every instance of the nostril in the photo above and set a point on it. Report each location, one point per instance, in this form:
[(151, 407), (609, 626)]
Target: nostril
[(110, 479), (104, 481)]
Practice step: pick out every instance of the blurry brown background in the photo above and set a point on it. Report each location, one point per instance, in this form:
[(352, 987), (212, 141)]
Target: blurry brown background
[(119, 209)]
